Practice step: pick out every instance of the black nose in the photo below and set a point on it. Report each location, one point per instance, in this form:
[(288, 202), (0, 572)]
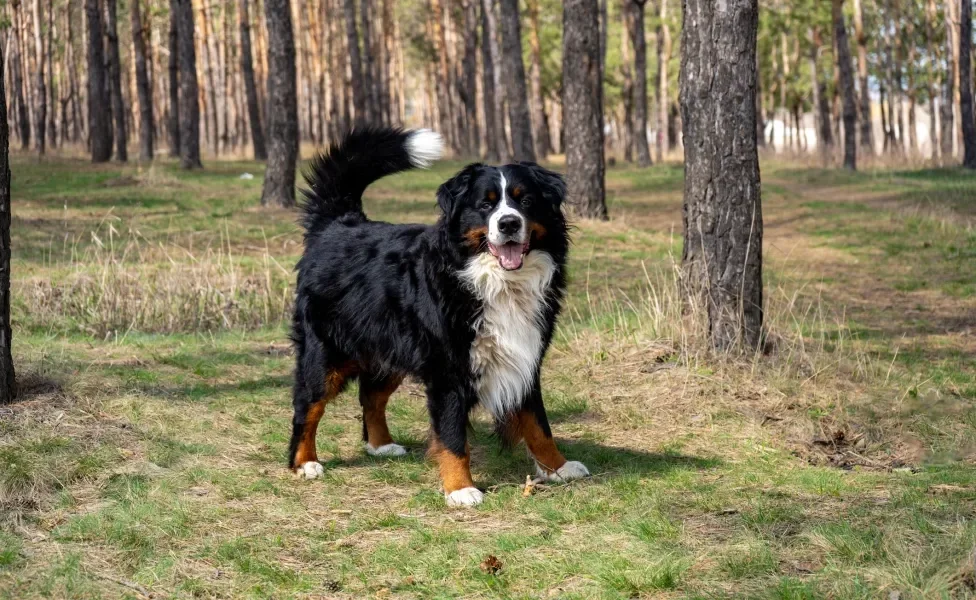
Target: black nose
[(509, 224)]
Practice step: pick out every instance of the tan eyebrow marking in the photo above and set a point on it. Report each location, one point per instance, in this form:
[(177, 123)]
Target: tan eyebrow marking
[(516, 192), (492, 196)]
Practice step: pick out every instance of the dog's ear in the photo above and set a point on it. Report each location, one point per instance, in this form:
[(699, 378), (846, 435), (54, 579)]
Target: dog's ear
[(456, 188), (552, 184)]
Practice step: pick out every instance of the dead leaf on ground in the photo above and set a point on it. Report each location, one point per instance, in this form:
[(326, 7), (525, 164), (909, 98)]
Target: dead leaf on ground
[(491, 565)]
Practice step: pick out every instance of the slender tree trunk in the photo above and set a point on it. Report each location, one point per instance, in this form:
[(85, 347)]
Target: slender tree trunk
[(640, 84), (189, 89), (40, 82), (663, 58), (174, 79), (358, 89), (250, 88), (442, 74), (933, 75), (821, 107), (583, 108), (115, 81), (52, 68), (369, 61), (846, 86), (209, 65), (468, 79), (867, 139), (99, 119), (8, 383), (540, 121), (627, 80), (966, 83), (279, 178), (949, 87), (490, 39), (142, 83), (493, 131), (19, 101), (515, 89), (723, 225)]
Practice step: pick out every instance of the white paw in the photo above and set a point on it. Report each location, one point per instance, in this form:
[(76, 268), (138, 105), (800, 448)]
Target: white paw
[(572, 469), (310, 470), (387, 450), (468, 496)]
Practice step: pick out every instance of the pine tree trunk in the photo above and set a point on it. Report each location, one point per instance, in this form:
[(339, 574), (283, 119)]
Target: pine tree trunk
[(142, 83), (174, 79), (492, 132), (723, 225), (663, 58), (40, 83), (627, 80), (821, 106), (515, 89), (99, 119), (358, 89), (540, 121), (949, 87), (369, 61), (17, 82), (52, 68), (867, 139), (966, 83), (846, 85), (250, 88), (210, 91), (189, 89), (468, 86), (8, 383), (933, 76), (583, 109), (639, 40), (115, 81), (490, 35), (279, 177)]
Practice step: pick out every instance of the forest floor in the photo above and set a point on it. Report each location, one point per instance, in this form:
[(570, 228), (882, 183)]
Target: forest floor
[(145, 457)]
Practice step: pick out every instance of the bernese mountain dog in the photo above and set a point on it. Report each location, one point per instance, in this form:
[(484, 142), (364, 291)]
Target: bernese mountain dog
[(466, 306)]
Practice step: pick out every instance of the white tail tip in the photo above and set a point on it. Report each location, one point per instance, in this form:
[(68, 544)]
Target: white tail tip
[(424, 147)]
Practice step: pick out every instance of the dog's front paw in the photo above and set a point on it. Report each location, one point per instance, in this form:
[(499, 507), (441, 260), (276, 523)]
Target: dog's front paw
[(310, 470), (386, 450), (468, 496), (571, 469)]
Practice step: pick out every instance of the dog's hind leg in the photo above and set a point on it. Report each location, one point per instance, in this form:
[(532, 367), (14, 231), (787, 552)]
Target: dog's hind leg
[(374, 394), (317, 381)]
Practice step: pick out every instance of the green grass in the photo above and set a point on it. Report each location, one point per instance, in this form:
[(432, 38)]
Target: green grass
[(150, 311)]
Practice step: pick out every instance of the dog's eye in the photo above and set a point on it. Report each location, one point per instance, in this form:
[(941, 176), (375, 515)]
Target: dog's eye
[(526, 201), (485, 205)]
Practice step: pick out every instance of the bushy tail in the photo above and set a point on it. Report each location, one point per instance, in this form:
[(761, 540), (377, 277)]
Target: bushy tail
[(337, 179)]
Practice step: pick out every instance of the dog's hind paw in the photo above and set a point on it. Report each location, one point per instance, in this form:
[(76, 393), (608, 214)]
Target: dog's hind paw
[(468, 496), (386, 450), (310, 470), (571, 469)]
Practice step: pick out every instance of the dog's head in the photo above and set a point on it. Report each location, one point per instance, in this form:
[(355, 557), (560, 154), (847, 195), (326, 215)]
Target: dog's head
[(507, 211)]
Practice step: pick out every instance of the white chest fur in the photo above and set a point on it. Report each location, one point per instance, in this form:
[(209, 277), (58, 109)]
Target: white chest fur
[(508, 340)]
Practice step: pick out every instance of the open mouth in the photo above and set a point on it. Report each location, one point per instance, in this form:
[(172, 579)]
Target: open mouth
[(509, 254)]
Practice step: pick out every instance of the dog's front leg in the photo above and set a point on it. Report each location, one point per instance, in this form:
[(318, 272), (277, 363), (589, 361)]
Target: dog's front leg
[(449, 444)]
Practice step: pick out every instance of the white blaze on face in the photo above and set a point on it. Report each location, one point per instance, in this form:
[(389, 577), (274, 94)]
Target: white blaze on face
[(507, 246)]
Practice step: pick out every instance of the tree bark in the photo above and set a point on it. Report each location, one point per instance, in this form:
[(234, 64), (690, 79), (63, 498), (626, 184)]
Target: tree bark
[(949, 87), (515, 90), (494, 64), (723, 226), (492, 132), (115, 81), (867, 138), (821, 108), (250, 88), (99, 119), (966, 83), (846, 85), (189, 89), (468, 79), (174, 79), (663, 58), (355, 63), (639, 40), (583, 109), (279, 177), (142, 83), (8, 383), (627, 80), (540, 121), (21, 117), (931, 50), (40, 84)]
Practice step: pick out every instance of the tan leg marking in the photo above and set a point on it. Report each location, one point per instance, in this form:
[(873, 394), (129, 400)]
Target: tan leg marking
[(374, 413), (334, 381), (523, 425), (455, 470)]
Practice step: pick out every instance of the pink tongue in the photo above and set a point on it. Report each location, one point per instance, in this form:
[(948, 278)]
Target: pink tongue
[(510, 256)]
